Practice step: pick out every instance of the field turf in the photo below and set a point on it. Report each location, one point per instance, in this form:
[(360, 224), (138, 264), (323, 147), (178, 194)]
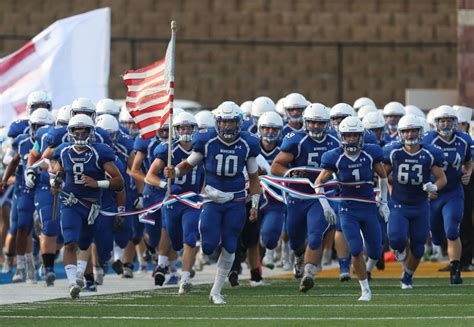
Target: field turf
[(432, 302)]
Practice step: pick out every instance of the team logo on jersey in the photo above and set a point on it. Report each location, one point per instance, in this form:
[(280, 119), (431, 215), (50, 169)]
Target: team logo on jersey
[(238, 147)]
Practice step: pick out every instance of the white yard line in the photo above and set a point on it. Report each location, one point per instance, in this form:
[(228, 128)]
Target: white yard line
[(239, 318)]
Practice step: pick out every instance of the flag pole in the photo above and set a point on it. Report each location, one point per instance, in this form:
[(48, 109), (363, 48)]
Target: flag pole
[(171, 81)]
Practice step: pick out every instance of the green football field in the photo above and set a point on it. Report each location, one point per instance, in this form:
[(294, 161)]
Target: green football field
[(431, 303)]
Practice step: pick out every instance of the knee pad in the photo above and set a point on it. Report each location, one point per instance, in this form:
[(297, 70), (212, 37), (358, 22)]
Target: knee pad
[(397, 243), (314, 242), (208, 248), (417, 250)]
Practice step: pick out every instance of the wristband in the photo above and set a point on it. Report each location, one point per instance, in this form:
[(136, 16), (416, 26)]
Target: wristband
[(255, 200), (163, 184), (121, 209), (177, 172), (103, 184)]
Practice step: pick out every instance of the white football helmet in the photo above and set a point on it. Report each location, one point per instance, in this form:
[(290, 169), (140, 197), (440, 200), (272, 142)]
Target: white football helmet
[(339, 112), (316, 112), (426, 126), (349, 126), (445, 112), (108, 123), (205, 119), (81, 121), (107, 106), (180, 122), (408, 122), (464, 114), (127, 120), (279, 107), (38, 99), (363, 101), (246, 108), (39, 118), (64, 114), (393, 108), (375, 123), (295, 101), (364, 110), (83, 106), (430, 118), (272, 120), (230, 112), (414, 110), (54, 114), (261, 105)]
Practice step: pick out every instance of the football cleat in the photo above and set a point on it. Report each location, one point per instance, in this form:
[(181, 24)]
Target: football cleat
[(298, 268), (20, 276), (90, 287), (185, 287), (50, 278), (267, 260), (306, 284), (159, 275), (74, 291), (80, 280), (7, 265), (455, 278), (366, 295), (127, 272), (286, 265), (216, 299), (117, 266), (99, 275), (233, 278), (407, 281), (256, 278), (31, 272)]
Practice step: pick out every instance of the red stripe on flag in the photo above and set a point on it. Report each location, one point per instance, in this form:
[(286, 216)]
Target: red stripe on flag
[(138, 81), (146, 68), (17, 57), (153, 108), (142, 100)]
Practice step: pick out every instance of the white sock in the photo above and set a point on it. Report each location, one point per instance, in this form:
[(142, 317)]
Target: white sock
[(71, 273), (29, 257), (162, 261), (285, 251), (20, 262), (224, 264), (81, 266), (364, 285), (185, 276), (118, 253), (310, 269), (371, 264), (269, 255)]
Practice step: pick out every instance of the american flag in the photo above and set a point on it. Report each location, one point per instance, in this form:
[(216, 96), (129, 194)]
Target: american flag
[(151, 93)]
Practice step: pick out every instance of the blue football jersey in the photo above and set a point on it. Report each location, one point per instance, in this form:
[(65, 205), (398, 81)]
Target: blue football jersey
[(22, 145), (389, 138), (354, 169), (193, 180), (411, 170), (270, 157), (456, 152), (288, 129), (41, 144), (307, 151), (224, 163), (18, 127), (77, 164), (147, 147), (249, 126)]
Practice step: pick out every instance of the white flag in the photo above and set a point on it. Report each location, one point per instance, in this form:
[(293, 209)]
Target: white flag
[(69, 59)]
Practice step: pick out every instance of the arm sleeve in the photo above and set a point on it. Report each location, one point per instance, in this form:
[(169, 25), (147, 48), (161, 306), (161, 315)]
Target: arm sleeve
[(251, 165), (194, 158), (106, 154)]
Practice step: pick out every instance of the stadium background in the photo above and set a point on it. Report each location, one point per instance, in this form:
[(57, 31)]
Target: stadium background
[(329, 50)]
